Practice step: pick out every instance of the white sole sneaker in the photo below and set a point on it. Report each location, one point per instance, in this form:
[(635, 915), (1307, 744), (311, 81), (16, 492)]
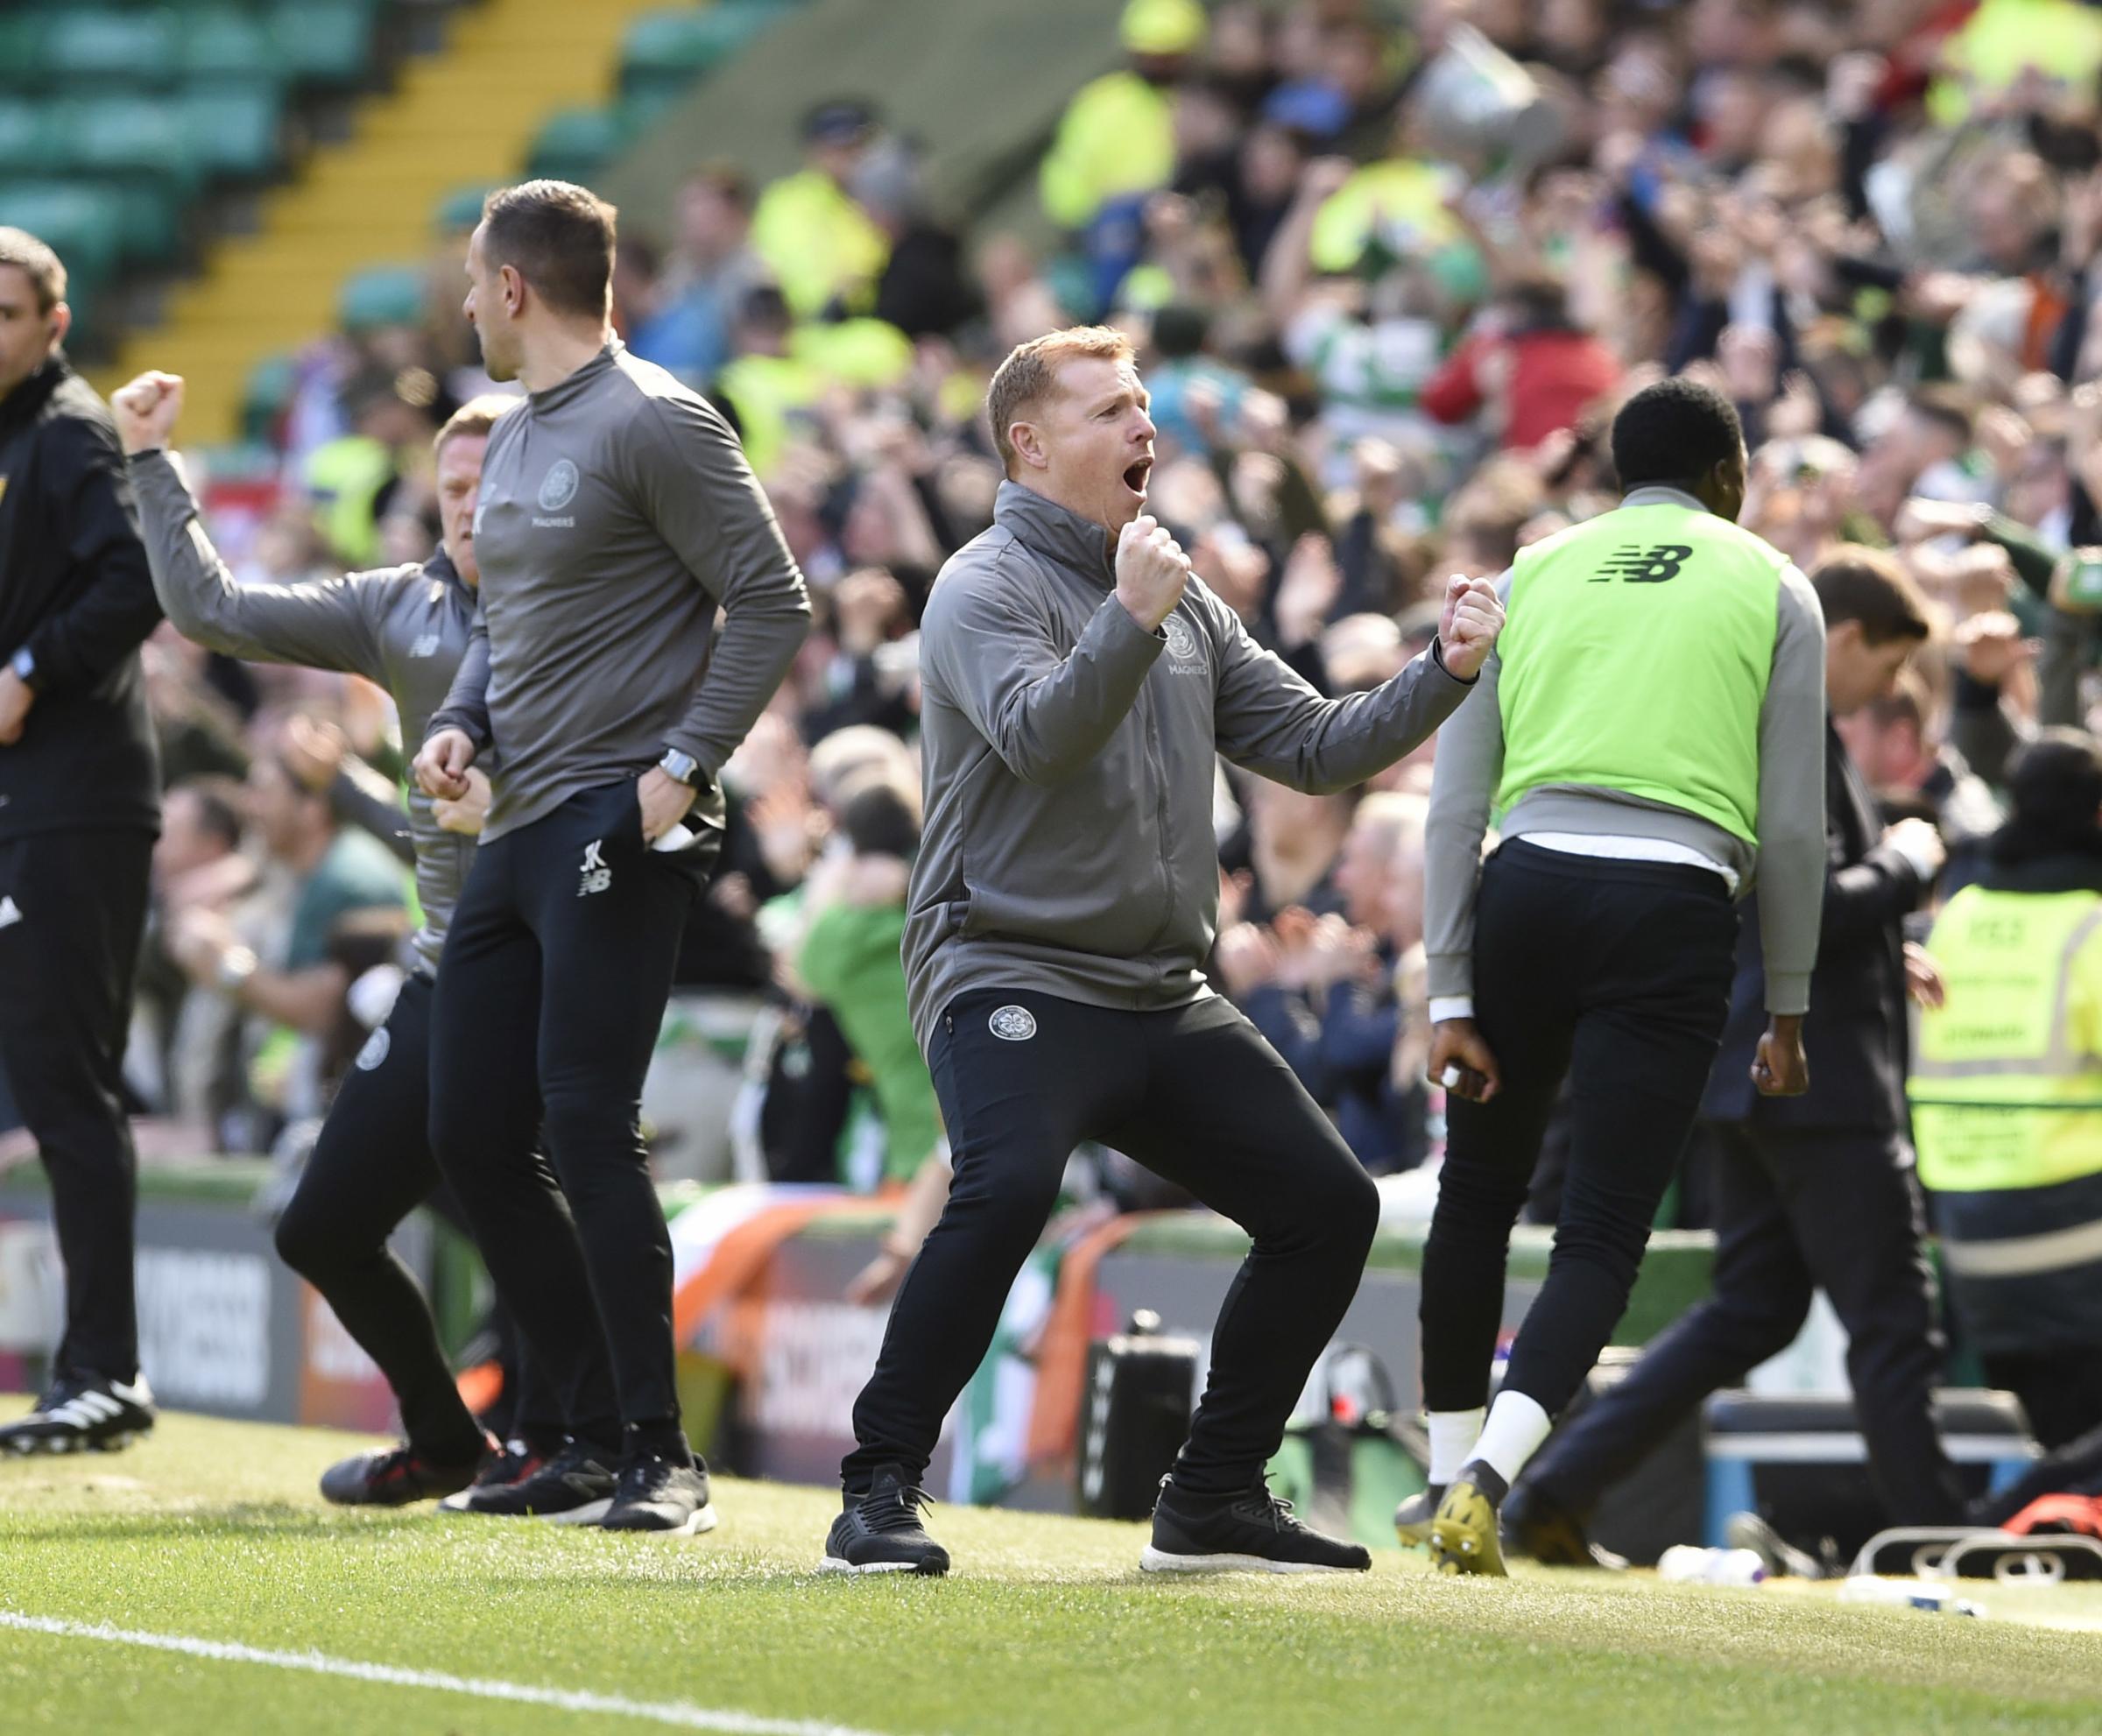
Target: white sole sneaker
[(589, 1513), (834, 1564), (701, 1518), (1160, 1561)]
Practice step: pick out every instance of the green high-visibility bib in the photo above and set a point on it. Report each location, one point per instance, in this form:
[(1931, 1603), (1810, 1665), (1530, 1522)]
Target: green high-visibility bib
[(1635, 657)]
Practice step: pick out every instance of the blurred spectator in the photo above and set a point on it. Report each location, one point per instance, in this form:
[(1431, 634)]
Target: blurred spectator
[(1116, 138), (820, 246), (710, 270)]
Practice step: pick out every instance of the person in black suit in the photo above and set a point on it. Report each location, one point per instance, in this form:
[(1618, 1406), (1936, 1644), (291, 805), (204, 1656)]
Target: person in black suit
[(1811, 1192)]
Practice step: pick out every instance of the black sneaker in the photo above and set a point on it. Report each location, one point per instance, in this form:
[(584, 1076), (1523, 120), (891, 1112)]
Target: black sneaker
[(1536, 1525), (880, 1532), (399, 1477), (1783, 1558), (1255, 1533), (83, 1414), (661, 1493), (574, 1487), (513, 1462)]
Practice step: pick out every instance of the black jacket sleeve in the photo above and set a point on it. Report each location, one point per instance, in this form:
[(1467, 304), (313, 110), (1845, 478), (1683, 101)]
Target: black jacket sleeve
[(88, 493)]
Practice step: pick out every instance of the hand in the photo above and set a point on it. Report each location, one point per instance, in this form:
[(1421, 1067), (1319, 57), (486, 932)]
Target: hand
[(1311, 583), (1152, 572), (145, 411), (1798, 412), (1467, 630), (1458, 1053), (467, 815), (313, 749), (1920, 518), (864, 604), (1918, 842), (785, 824), (1780, 1069), (663, 801), (1233, 897), (1991, 647), (16, 697), (879, 1278), (441, 766), (1247, 958), (199, 940), (1924, 978)]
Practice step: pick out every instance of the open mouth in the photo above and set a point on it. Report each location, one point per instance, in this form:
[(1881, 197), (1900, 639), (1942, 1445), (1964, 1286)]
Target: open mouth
[(1135, 475)]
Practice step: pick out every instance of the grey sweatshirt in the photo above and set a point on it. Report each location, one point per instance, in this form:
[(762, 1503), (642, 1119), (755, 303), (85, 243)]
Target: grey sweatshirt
[(404, 627), (616, 512), (1069, 757), (1787, 869)]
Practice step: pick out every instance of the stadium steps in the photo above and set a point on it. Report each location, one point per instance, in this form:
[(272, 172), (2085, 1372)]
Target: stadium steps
[(466, 113)]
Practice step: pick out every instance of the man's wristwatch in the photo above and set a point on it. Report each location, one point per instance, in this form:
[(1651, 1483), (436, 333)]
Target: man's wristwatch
[(682, 768), (23, 664)]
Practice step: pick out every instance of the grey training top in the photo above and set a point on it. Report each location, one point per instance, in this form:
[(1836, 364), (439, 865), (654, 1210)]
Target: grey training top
[(1789, 863), (404, 627), (1069, 757), (617, 511)]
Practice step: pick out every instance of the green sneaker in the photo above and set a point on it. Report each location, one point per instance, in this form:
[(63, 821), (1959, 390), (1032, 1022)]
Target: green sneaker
[(1463, 1532)]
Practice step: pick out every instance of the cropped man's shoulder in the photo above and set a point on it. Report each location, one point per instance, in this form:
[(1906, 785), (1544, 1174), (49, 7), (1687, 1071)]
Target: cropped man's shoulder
[(648, 381)]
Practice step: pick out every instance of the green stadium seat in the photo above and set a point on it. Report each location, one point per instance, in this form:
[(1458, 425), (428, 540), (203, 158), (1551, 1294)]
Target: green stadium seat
[(461, 209), (27, 146), (89, 50), (226, 44), (381, 295), (574, 143), (127, 136), (324, 41), (82, 225), (233, 131), (152, 218), (21, 50), (661, 54)]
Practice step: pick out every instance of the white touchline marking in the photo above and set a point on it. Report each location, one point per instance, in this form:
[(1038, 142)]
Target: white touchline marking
[(613, 1706)]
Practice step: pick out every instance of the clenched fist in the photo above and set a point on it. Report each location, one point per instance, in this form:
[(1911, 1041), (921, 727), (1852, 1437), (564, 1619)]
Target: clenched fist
[(1467, 630), (145, 411), (1152, 571), (442, 767)]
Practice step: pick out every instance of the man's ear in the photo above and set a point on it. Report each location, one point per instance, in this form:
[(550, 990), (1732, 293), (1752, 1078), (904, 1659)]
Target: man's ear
[(62, 322), (513, 287), (1027, 440)]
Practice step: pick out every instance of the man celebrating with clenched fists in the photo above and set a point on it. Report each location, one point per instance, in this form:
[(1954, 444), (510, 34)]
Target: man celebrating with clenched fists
[(1078, 685)]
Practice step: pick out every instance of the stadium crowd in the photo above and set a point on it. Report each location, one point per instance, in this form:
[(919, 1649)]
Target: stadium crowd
[(1389, 281)]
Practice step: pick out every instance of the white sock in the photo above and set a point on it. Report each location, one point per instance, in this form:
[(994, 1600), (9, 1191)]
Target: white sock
[(1451, 1433), (1516, 1427)]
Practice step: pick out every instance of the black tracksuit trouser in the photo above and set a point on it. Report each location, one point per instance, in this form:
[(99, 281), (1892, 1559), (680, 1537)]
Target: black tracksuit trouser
[(550, 996), (1616, 974), (1195, 1094), (369, 1168), (1797, 1211), (73, 906)]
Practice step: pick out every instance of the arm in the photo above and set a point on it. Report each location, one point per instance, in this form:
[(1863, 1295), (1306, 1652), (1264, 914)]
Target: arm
[(322, 625), (466, 707), (1270, 720), (1469, 766), (1046, 713), (693, 482), (91, 501), (1791, 798), (361, 797)]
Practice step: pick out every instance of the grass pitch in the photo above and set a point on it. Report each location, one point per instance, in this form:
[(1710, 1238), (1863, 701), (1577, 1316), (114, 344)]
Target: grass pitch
[(294, 1616)]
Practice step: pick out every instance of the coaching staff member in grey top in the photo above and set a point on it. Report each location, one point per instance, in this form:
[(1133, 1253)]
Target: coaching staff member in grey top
[(1079, 685), (80, 805), (617, 513)]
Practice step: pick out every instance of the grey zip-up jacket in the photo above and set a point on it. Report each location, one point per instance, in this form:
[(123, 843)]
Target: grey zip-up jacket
[(404, 627), (1785, 873), (1069, 757), (616, 512)]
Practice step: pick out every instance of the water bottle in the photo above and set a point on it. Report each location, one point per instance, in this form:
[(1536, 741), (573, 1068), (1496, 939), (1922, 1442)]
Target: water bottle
[(1923, 1594), (1689, 1564)]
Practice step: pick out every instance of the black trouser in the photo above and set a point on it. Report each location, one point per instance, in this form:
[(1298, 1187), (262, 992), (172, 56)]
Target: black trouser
[(1195, 1094), (2061, 1389), (370, 1167), (74, 908), (556, 971), (1796, 1211), (1618, 975)]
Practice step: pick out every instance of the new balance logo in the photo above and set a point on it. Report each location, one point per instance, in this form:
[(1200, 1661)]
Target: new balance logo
[(425, 646), (10, 913), (1638, 565), (595, 876)]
